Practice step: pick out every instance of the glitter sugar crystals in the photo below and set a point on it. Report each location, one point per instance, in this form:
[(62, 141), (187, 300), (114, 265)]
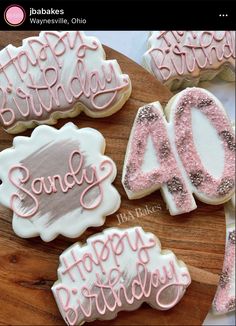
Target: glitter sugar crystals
[(180, 171)]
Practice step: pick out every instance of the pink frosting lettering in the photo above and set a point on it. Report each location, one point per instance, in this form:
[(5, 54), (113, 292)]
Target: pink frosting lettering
[(35, 97), (114, 245), (77, 176), (183, 52), (109, 285)]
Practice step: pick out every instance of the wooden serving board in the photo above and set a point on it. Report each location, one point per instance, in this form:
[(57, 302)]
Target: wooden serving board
[(28, 268)]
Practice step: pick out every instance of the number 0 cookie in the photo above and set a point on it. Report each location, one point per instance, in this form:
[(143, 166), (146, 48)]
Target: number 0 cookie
[(58, 182), (58, 75)]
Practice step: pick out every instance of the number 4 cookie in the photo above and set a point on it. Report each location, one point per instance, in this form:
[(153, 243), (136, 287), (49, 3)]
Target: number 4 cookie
[(58, 182), (192, 153)]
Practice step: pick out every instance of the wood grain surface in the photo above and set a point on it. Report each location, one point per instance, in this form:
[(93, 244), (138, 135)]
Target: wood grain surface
[(28, 268)]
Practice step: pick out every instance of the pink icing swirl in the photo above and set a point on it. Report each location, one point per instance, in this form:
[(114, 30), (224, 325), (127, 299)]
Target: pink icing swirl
[(109, 292), (52, 184), (180, 52), (34, 98)]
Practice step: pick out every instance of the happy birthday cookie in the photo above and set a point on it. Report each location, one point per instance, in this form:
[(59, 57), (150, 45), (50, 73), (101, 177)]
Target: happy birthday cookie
[(58, 182), (117, 270), (58, 75), (192, 152), (183, 58)]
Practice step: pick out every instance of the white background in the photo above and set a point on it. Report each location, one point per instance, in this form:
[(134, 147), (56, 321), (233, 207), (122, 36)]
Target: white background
[(133, 44)]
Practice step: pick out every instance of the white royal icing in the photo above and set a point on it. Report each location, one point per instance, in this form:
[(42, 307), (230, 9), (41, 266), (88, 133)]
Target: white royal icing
[(58, 182), (192, 153), (57, 75), (116, 270), (190, 56)]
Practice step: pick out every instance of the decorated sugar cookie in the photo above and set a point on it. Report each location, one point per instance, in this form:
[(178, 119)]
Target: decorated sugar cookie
[(224, 300), (192, 153), (117, 270), (183, 58), (58, 75), (58, 182)]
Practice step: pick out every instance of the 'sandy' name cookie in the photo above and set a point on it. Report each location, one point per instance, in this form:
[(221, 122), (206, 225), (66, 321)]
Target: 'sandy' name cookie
[(192, 153), (58, 75), (117, 270), (58, 182), (183, 58)]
